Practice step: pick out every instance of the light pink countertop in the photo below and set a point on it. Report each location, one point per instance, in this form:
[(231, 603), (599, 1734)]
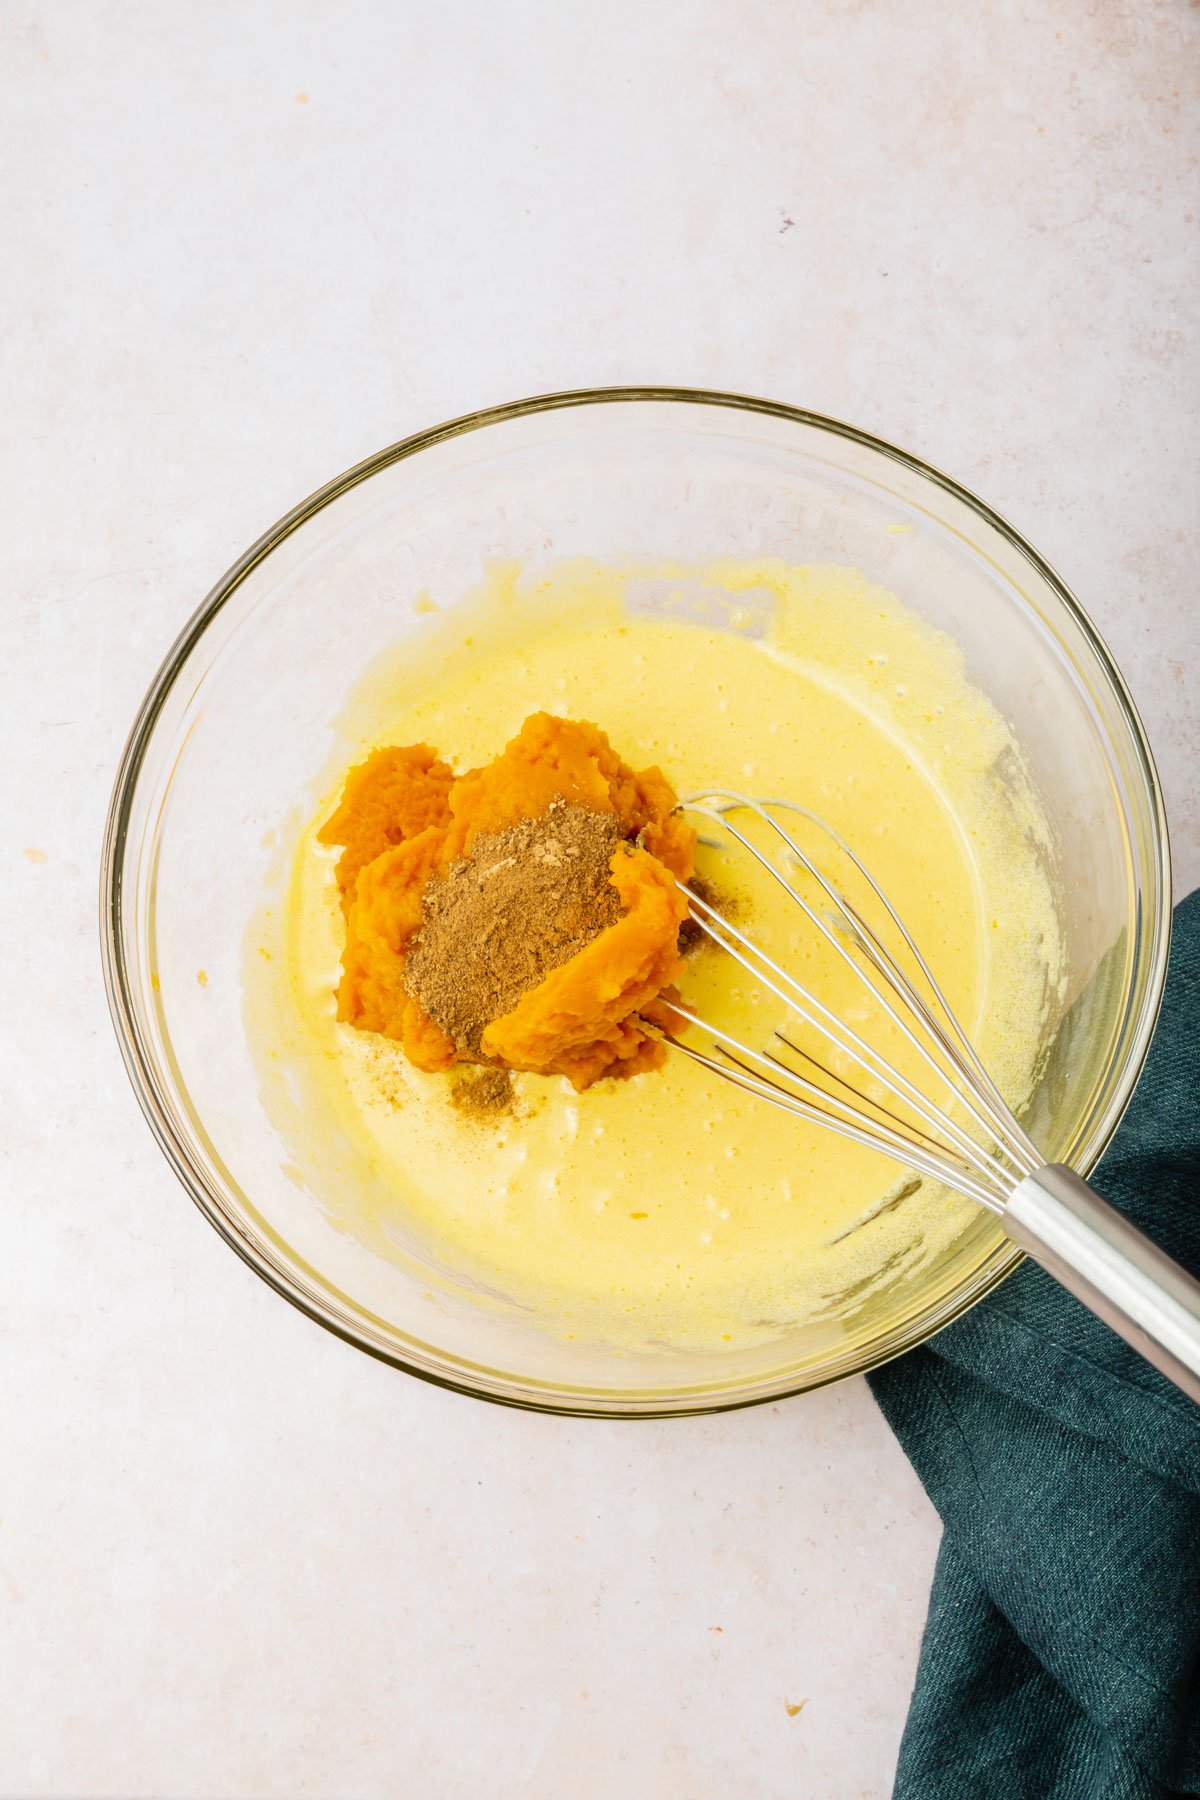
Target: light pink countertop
[(247, 245)]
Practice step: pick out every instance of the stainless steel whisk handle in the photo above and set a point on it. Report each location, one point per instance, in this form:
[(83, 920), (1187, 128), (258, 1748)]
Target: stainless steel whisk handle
[(1103, 1260)]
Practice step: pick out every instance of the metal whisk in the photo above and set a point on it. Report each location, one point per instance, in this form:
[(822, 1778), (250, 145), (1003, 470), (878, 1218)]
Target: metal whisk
[(969, 1139)]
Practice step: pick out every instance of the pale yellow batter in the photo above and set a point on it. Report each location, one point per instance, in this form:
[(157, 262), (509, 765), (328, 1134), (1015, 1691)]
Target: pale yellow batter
[(671, 1208)]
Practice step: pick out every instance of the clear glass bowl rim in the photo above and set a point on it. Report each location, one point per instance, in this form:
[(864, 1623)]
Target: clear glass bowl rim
[(138, 1056)]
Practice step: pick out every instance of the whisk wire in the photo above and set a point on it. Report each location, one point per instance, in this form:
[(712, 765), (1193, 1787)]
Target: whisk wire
[(1001, 1118), (939, 1165), (841, 1035), (850, 1044), (840, 1080), (986, 1173), (981, 1108)]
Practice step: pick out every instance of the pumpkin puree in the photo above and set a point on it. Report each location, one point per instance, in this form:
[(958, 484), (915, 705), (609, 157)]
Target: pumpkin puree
[(404, 819)]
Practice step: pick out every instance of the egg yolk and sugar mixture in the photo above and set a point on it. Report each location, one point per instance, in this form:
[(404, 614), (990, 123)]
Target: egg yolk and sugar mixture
[(469, 968)]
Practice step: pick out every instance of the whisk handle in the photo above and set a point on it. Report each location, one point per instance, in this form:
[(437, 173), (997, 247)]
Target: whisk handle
[(1118, 1274)]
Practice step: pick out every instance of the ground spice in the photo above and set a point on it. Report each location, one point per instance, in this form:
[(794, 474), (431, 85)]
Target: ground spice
[(692, 935), (483, 1095), (524, 902)]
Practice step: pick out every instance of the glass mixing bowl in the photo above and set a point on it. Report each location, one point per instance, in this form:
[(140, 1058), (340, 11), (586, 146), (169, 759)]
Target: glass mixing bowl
[(240, 720)]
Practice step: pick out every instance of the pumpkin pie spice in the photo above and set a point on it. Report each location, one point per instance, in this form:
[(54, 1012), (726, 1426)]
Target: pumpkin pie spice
[(495, 924)]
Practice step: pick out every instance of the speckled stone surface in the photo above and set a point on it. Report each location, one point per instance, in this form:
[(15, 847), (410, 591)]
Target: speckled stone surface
[(244, 247)]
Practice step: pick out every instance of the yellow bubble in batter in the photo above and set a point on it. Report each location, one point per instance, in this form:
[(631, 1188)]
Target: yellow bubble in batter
[(672, 1209)]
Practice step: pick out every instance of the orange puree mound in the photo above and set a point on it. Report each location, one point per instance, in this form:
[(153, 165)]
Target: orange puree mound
[(384, 913), (404, 819), (577, 1021), (390, 797), (552, 759)]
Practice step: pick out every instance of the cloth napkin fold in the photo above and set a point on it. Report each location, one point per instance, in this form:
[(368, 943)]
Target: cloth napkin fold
[(1061, 1655)]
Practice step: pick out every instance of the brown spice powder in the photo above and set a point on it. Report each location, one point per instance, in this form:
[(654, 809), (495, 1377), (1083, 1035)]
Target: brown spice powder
[(692, 935), (484, 1095), (524, 902)]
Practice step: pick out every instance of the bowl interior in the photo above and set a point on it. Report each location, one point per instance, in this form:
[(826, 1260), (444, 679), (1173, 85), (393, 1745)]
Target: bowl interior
[(225, 761)]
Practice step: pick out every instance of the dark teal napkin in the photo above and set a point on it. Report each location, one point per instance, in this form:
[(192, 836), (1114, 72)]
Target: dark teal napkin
[(1061, 1655)]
